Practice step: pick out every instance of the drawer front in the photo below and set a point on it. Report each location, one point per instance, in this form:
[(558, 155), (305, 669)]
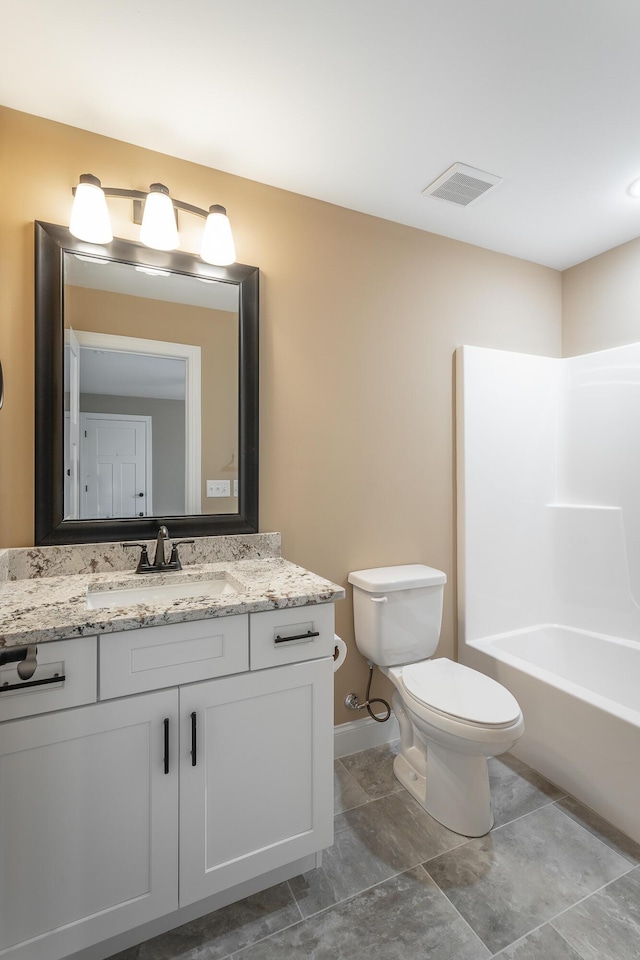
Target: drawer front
[(75, 664), (154, 657), (291, 635)]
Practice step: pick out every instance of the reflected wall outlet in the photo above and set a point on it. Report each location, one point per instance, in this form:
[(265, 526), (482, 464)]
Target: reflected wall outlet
[(235, 488), (218, 488)]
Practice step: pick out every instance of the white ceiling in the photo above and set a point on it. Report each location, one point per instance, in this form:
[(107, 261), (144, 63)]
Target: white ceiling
[(112, 374), (363, 103)]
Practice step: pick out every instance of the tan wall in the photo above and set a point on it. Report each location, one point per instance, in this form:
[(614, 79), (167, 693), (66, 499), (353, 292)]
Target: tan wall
[(359, 321), (215, 331), (601, 301)]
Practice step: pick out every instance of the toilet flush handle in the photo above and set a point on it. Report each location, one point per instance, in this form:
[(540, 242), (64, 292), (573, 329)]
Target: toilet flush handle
[(379, 599)]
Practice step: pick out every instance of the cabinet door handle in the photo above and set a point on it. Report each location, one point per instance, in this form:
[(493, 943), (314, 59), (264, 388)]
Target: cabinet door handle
[(299, 636), (193, 738), (166, 744)]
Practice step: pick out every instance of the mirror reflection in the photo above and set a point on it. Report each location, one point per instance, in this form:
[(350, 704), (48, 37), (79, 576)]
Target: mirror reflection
[(151, 418)]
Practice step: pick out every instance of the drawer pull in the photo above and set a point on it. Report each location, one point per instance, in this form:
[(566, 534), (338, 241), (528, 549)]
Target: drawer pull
[(166, 744), (32, 683), (193, 738), (298, 636)]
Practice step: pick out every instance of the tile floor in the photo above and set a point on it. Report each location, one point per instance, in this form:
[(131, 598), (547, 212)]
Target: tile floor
[(552, 881)]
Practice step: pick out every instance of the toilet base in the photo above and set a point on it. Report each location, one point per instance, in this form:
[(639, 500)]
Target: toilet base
[(452, 787), (455, 794)]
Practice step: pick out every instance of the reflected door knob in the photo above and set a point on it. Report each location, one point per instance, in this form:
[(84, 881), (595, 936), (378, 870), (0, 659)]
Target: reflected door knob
[(141, 494)]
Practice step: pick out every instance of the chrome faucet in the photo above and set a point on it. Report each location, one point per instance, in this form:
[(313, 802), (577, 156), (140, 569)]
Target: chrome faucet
[(160, 563)]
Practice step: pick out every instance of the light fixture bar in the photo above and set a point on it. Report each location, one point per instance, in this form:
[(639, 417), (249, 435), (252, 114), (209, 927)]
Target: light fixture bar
[(142, 195), (221, 252)]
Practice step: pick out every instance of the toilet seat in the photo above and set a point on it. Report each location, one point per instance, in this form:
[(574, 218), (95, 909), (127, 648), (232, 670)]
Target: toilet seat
[(454, 691)]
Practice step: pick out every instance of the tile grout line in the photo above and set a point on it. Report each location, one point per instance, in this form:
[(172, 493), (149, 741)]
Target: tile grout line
[(268, 936), (549, 922), (592, 894), (421, 864), (520, 939), (596, 837), (464, 919), (369, 798), (358, 893), (548, 803), (317, 913), (570, 945), (295, 900), (465, 840)]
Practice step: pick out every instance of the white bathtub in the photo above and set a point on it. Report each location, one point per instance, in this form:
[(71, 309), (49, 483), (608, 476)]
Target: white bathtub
[(580, 696)]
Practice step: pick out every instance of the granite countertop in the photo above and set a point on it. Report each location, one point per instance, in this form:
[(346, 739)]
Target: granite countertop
[(38, 609)]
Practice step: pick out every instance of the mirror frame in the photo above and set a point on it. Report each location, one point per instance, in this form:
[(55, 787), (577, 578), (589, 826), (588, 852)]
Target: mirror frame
[(51, 242)]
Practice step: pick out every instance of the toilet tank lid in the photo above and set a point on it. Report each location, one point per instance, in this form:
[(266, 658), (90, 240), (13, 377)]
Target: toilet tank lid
[(404, 577)]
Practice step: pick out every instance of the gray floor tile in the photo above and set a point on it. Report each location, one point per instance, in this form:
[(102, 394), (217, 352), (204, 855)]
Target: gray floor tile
[(606, 926), (372, 843), (523, 874), (347, 793), (373, 769), (516, 789), (543, 944), (406, 918), (217, 935), (601, 828)]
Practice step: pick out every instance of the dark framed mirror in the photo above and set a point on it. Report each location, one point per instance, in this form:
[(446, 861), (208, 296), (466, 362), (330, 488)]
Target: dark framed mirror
[(146, 403)]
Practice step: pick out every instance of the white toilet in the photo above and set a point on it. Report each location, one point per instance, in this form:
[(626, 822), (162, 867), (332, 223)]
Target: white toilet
[(451, 717)]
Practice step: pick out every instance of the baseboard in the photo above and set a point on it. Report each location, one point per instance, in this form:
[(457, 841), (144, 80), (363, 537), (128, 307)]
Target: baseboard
[(362, 734)]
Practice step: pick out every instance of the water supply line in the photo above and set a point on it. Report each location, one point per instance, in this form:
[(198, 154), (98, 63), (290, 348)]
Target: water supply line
[(352, 702)]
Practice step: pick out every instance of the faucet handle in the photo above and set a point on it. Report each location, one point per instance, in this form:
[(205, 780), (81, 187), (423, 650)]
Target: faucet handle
[(174, 559), (143, 562)]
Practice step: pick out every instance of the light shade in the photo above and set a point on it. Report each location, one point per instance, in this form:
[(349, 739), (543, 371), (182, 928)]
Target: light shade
[(159, 229), (217, 243), (89, 215)]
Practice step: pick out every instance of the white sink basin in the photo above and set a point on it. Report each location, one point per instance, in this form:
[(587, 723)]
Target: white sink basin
[(150, 592)]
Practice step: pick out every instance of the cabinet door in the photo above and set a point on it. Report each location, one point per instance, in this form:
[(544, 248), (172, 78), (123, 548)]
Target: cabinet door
[(88, 825), (260, 793)]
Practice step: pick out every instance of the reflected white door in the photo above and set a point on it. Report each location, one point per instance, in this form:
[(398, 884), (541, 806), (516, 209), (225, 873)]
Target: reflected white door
[(115, 466)]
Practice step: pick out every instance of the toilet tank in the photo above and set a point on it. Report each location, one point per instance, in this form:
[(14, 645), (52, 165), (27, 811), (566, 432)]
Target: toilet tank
[(397, 612)]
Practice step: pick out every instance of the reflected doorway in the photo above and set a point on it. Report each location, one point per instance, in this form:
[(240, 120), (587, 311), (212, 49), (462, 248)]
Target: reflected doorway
[(132, 427), (116, 457)]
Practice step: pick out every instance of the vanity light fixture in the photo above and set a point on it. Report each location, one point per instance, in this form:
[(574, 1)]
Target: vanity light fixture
[(156, 211), (159, 228)]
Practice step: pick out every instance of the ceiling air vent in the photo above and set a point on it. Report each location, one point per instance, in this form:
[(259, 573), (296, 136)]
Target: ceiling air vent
[(461, 185)]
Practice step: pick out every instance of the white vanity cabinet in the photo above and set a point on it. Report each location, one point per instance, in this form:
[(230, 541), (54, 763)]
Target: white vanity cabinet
[(88, 832), (189, 775), (258, 795)]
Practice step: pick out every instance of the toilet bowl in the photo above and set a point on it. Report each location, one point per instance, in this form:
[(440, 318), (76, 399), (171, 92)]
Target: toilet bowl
[(451, 778), (451, 718)]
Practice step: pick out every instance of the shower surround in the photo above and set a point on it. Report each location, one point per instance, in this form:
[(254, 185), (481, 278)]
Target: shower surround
[(549, 558)]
